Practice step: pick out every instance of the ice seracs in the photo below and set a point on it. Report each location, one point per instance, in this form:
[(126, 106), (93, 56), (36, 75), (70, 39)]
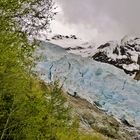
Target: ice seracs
[(107, 86)]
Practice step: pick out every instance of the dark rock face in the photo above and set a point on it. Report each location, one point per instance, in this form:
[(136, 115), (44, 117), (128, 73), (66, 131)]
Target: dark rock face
[(76, 48), (137, 138), (118, 62), (59, 37), (104, 46), (137, 77), (125, 55)]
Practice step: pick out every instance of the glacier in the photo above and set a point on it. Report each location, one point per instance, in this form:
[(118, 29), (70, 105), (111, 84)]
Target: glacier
[(114, 91)]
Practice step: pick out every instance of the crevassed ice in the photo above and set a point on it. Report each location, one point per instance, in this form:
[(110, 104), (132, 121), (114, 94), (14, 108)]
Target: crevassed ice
[(115, 91)]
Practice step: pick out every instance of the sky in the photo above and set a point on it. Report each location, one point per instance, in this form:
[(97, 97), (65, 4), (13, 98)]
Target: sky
[(97, 20)]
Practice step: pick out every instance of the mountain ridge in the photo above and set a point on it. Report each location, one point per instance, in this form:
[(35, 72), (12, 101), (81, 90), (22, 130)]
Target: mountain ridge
[(92, 80), (124, 55)]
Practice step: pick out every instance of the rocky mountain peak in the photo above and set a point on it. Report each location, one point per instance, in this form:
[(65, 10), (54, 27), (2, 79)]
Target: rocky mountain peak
[(60, 37), (124, 55)]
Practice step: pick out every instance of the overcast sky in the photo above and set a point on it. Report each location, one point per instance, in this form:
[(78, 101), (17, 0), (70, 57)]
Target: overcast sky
[(99, 20)]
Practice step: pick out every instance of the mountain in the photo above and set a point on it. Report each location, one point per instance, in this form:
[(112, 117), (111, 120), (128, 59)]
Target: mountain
[(124, 55), (102, 84), (73, 44)]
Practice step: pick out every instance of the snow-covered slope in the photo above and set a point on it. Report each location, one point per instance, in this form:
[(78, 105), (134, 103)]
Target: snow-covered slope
[(74, 44), (125, 55), (102, 84)]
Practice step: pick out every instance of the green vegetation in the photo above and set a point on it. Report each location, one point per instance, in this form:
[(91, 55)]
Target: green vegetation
[(29, 109)]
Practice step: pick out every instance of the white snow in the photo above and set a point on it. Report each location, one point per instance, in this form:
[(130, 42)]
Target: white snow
[(131, 67), (128, 49), (88, 48)]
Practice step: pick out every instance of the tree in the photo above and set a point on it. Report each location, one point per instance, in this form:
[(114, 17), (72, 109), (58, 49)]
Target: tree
[(28, 16), (40, 113), (28, 108), (16, 61)]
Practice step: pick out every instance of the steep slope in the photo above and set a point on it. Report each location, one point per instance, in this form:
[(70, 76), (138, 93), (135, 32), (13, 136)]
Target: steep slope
[(94, 120), (101, 84), (125, 55)]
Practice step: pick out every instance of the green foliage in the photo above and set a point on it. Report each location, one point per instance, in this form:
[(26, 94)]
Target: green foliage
[(29, 110), (23, 15), (95, 136)]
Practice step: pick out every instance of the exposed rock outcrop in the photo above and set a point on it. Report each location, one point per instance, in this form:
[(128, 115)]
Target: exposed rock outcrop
[(93, 120), (125, 55), (137, 77)]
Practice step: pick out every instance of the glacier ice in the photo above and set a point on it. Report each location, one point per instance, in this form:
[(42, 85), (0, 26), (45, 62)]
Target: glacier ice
[(116, 92)]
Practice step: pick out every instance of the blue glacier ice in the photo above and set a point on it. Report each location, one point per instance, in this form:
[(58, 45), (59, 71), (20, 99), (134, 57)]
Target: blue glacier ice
[(116, 92)]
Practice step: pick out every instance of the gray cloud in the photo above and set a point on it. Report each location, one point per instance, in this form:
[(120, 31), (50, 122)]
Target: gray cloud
[(108, 19)]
